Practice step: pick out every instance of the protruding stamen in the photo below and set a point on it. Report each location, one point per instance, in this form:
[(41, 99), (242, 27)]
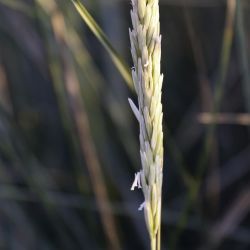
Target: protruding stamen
[(137, 181)]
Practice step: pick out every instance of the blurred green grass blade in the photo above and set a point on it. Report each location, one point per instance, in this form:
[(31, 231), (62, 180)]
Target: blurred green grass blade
[(244, 60), (100, 35), (17, 5)]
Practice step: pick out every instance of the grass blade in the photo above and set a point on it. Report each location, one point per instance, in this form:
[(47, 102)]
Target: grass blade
[(100, 35)]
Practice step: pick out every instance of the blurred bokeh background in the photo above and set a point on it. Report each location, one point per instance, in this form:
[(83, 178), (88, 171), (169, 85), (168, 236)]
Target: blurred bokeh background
[(69, 142)]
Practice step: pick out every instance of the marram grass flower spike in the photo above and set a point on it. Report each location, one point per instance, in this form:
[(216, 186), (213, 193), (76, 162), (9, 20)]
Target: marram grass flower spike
[(145, 41)]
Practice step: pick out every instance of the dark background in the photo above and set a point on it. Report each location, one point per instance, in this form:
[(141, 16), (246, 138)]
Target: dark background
[(69, 142)]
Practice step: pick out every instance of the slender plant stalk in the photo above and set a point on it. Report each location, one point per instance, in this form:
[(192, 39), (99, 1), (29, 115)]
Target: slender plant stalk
[(219, 90), (145, 41)]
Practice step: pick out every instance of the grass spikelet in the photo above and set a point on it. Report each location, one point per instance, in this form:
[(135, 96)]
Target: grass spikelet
[(146, 53)]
